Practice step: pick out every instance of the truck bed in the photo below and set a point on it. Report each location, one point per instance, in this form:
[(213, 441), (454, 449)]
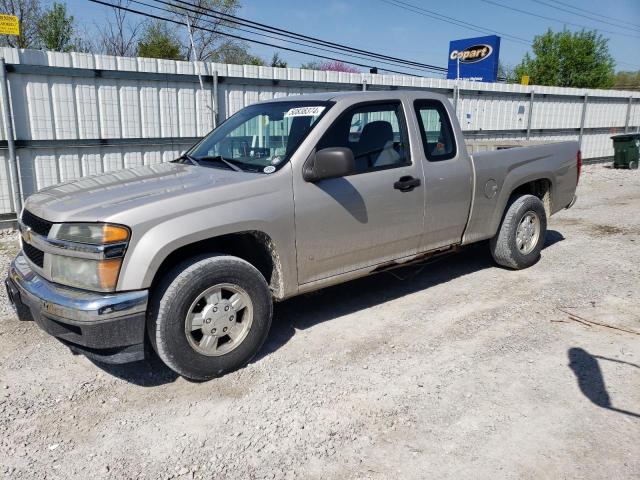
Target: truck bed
[(498, 173)]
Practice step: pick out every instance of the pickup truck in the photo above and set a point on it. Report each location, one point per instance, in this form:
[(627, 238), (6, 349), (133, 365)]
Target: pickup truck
[(285, 197)]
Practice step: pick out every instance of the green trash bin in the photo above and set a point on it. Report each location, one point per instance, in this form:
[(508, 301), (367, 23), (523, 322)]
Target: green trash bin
[(626, 150)]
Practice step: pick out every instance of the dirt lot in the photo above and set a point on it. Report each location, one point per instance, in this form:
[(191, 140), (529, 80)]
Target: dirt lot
[(456, 370)]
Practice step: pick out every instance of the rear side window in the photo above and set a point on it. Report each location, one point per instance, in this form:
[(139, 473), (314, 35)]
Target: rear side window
[(375, 133), (435, 129)]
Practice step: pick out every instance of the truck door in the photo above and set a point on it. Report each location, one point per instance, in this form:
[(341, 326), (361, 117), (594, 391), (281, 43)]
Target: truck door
[(448, 175), (373, 216)]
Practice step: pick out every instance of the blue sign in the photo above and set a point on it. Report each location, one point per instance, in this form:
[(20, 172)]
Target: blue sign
[(474, 59)]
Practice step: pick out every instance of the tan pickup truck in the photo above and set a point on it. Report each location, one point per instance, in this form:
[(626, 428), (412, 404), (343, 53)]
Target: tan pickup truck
[(284, 197)]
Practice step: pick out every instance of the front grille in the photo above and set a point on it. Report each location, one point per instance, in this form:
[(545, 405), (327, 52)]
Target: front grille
[(33, 254), (37, 224)]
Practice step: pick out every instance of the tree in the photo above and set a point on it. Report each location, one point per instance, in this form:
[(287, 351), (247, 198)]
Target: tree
[(207, 20), (158, 41), (565, 59), (234, 53), (276, 61), (28, 13), (507, 72), (313, 65), (55, 29), (119, 35), (330, 66), (627, 80)]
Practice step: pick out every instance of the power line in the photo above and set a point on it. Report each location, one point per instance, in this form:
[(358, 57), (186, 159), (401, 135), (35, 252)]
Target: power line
[(598, 14), (157, 17), (555, 19), (437, 16), (287, 41), (394, 61), (593, 19), (547, 18), (279, 31)]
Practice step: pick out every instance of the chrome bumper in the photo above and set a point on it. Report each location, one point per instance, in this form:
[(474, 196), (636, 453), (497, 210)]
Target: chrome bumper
[(72, 304)]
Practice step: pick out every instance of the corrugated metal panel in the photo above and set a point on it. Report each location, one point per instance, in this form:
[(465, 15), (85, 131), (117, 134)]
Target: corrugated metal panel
[(54, 107)]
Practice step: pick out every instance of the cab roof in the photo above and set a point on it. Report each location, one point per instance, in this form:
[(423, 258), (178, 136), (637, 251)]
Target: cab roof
[(360, 96)]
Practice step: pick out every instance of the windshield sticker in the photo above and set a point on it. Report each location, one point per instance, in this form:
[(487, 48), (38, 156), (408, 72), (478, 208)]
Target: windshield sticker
[(269, 169), (304, 112)]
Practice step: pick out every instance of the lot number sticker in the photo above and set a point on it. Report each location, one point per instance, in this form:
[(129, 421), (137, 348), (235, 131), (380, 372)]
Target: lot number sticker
[(304, 112)]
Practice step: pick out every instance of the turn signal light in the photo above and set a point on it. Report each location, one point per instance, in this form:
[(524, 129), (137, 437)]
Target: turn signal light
[(114, 233), (108, 273)]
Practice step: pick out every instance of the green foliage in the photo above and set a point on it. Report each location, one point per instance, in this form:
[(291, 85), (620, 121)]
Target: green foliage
[(627, 80), (565, 59), (235, 53), (158, 41), (276, 61), (55, 29), (311, 65), (507, 72)]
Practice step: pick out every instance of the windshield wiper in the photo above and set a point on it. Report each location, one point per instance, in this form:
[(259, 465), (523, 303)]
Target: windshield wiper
[(219, 158), (186, 156)]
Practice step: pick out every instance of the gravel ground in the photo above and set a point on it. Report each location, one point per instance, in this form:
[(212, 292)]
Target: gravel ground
[(456, 370)]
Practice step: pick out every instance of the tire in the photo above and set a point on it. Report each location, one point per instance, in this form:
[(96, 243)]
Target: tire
[(506, 247), (201, 285), (633, 165)]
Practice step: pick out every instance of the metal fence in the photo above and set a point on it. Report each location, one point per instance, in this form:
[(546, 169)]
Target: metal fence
[(78, 114)]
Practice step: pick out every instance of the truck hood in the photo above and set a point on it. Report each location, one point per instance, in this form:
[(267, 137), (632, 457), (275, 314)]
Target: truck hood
[(102, 197)]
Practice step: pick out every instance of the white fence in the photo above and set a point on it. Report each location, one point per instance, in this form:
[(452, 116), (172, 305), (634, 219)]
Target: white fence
[(79, 114)]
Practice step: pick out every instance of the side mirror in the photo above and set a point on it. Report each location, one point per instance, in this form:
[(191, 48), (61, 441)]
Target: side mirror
[(329, 163)]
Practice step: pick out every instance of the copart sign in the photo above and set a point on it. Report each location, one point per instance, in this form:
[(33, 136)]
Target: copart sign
[(474, 59)]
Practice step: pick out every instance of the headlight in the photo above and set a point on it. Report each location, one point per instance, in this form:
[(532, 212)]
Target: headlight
[(99, 275), (90, 256), (92, 233)]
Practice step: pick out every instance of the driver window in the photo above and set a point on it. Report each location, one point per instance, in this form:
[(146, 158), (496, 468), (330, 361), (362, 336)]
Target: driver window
[(376, 134)]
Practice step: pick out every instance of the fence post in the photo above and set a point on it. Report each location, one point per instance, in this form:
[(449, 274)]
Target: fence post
[(583, 117), (14, 183), (215, 97), (530, 115), (628, 117), (456, 93)]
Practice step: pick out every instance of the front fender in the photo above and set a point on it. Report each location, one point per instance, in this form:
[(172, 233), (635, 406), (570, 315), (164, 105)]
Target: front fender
[(270, 212)]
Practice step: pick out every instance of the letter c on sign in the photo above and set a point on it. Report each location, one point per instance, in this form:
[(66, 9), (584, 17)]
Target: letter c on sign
[(453, 55)]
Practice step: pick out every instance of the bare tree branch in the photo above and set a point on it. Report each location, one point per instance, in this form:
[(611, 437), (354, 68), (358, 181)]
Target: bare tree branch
[(207, 42), (119, 35), (28, 13)]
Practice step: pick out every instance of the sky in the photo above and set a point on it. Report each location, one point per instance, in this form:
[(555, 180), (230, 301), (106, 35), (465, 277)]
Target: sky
[(379, 26)]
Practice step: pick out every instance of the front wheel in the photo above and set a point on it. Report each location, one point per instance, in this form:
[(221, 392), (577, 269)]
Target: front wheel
[(210, 316), (522, 233)]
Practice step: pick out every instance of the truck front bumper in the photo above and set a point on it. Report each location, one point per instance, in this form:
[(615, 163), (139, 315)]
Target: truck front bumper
[(107, 327)]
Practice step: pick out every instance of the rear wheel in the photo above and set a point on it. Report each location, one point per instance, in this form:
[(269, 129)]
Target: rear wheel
[(522, 233), (210, 316), (633, 165)]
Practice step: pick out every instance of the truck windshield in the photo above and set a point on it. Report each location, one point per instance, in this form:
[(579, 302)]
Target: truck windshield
[(259, 138)]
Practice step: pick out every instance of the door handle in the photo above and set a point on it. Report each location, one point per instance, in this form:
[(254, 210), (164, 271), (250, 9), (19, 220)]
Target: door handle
[(406, 184)]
